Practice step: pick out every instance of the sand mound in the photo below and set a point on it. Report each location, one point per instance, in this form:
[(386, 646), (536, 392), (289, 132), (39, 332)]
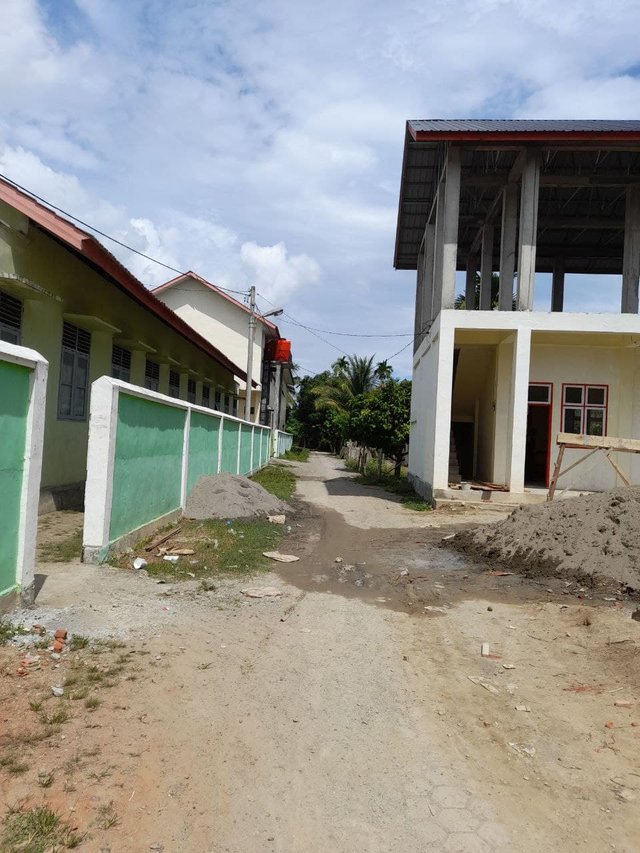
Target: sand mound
[(593, 535), (230, 496)]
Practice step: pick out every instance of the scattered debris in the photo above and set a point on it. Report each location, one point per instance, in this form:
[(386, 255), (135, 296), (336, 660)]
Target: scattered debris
[(623, 703), (181, 552), (208, 585), (261, 592), (171, 558), (508, 666), (476, 679), (160, 539), (497, 574), (525, 708), (430, 608), (280, 558), (485, 650), (523, 749), (276, 519), (340, 560), (139, 563), (584, 688), (57, 691)]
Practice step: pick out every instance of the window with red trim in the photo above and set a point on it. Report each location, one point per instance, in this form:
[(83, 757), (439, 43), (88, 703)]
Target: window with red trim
[(584, 409)]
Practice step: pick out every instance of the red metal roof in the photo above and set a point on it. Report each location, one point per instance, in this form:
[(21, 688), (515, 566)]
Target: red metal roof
[(523, 130), (215, 289), (87, 247)]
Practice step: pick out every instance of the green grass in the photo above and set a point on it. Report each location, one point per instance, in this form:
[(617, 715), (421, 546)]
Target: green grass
[(36, 830), (397, 485), (278, 480), (8, 631), (218, 550), (63, 551), (297, 454)]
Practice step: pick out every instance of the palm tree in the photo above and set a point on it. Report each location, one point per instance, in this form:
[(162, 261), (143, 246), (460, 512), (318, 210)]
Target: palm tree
[(350, 377), (383, 371)]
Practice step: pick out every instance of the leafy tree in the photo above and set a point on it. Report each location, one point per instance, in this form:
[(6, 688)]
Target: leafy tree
[(317, 428), (350, 376), (380, 419)]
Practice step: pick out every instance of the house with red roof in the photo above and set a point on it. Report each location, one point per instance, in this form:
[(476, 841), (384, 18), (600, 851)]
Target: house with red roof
[(65, 296)]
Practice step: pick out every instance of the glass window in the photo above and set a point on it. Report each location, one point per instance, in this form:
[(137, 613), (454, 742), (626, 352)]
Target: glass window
[(10, 318), (121, 363), (206, 396), (174, 383), (217, 404), (539, 393), (191, 390), (234, 405), (584, 409), (573, 394), (152, 375), (74, 373)]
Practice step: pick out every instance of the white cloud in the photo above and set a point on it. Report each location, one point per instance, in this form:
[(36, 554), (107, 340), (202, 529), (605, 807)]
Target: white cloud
[(275, 273)]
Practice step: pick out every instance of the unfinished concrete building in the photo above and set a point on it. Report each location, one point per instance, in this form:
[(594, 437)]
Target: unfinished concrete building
[(486, 209)]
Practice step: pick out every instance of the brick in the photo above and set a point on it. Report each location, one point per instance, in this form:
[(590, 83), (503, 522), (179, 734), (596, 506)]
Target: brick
[(58, 645), (61, 634)]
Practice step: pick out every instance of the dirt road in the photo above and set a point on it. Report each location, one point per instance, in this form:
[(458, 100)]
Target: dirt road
[(354, 714)]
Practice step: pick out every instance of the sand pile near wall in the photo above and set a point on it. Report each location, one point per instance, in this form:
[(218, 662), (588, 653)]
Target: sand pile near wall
[(590, 536), (231, 496)]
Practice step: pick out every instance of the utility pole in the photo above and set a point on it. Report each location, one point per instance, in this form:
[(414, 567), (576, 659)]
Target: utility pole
[(276, 402), (252, 334)]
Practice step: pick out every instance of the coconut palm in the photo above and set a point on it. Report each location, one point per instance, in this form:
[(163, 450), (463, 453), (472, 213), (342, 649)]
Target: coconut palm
[(350, 376)]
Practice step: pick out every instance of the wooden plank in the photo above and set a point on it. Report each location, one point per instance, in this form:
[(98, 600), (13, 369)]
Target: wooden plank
[(604, 442), (616, 468)]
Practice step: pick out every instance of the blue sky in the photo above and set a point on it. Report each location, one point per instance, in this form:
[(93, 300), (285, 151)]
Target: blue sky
[(262, 143)]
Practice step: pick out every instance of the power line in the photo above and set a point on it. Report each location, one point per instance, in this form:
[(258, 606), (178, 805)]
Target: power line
[(103, 233), (302, 326), (351, 334)]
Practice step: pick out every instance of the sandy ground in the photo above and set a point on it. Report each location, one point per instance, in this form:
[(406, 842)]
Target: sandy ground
[(342, 716)]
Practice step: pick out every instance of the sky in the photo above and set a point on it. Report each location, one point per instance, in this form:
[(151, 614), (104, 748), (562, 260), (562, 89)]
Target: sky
[(262, 143)]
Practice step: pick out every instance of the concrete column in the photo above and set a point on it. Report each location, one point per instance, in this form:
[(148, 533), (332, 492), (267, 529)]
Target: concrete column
[(101, 352), (438, 245), (138, 364), (427, 315), (557, 285), (419, 309), (470, 283), (528, 229), (631, 256), (163, 380), (519, 408), (508, 246), (442, 408), (450, 236), (486, 267)]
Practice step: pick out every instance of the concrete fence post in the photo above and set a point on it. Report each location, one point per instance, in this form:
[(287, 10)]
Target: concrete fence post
[(103, 419), (185, 458), (220, 433)]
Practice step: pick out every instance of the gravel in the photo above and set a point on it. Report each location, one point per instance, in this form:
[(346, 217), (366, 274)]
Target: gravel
[(231, 496)]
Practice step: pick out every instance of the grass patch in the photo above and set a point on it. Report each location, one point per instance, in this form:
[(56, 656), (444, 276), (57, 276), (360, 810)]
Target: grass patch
[(297, 454), (36, 830), (8, 631), (63, 551), (92, 703), (396, 485), (219, 549), (277, 479), (45, 780), (78, 642), (107, 817), (13, 765)]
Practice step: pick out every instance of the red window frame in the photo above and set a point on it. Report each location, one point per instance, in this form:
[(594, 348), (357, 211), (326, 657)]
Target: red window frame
[(584, 405)]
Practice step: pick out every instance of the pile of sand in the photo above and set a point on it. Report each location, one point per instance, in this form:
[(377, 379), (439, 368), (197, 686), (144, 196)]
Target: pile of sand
[(231, 496), (593, 535)]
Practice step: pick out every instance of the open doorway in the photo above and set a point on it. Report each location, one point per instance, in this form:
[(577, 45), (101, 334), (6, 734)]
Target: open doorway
[(538, 446)]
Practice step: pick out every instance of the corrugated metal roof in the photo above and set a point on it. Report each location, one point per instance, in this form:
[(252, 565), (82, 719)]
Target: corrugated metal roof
[(522, 126)]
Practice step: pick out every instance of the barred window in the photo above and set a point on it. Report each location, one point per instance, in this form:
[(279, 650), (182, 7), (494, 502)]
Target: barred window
[(10, 318), (121, 363), (191, 391), (584, 409), (152, 375), (74, 373), (217, 401), (206, 396), (174, 383)]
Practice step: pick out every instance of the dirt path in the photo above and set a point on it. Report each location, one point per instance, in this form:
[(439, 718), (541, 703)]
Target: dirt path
[(340, 718)]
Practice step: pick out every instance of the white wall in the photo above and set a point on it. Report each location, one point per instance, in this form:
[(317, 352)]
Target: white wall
[(222, 323)]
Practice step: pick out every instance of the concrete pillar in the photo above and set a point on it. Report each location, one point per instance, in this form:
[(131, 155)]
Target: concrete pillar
[(486, 267), (438, 244), (519, 408), (427, 315), (528, 229), (470, 283), (138, 364), (508, 246), (163, 382), (557, 285), (450, 236), (101, 352), (631, 255), (419, 308), (442, 407)]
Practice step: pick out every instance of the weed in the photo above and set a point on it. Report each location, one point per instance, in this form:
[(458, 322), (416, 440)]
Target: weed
[(297, 454), (78, 642), (107, 817), (70, 680), (278, 480), (205, 665), (36, 706), (57, 718), (99, 775), (13, 765), (45, 780), (36, 830), (397, 485), (8, 631), (63, 551), (92, 703), (82, 693)]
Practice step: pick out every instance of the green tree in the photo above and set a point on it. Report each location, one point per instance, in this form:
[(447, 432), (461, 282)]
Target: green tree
[(350, 376), (313, 427), (379, 419)]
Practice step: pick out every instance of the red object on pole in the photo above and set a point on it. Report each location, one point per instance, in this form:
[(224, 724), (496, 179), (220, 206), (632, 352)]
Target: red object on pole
[(281, 350)]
